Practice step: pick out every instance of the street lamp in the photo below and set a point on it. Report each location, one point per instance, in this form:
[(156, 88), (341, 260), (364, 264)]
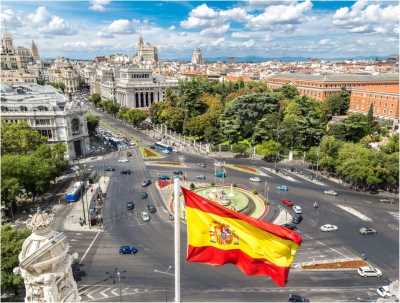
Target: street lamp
[(116, 276)]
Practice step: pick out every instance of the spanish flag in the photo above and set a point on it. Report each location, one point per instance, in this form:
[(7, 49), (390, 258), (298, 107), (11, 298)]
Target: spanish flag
[(218, 235)]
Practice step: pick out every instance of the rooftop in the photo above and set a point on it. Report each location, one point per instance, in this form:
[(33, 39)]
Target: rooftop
[(338, 77)]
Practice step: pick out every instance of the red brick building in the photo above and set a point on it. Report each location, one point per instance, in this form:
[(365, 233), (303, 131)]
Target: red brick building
[(321, 86), (385, 100)]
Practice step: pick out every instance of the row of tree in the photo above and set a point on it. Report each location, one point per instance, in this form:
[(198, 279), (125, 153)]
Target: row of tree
[(29, 165), (132, 116)]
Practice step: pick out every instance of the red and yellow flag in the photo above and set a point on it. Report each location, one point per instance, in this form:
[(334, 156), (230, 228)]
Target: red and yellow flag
[(217, 235)]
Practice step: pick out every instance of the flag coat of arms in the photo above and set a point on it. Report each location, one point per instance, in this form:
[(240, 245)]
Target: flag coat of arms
[(217, 235)]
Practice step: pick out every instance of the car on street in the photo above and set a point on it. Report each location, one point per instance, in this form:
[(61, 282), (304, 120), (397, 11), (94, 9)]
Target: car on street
[(109, 169), (123, 160), (143, 195), (146, 183), (151, 208), (282, 187), (126, 172), (130, 205), (297, 219), (255, 179), (203, 165), (220, 174), (367, 231), (328, 227), (330, 192), (287, 202), (384, 291), (201, 177), (129, 154), (178, 172), (291, 226), (297, 298), (391, 201), (297, 209), (127, 250), (164, 178), (145, 216), (369, 271), (218, 164)]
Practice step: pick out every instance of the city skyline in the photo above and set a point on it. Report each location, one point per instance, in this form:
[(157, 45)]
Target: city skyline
[(267, 29)]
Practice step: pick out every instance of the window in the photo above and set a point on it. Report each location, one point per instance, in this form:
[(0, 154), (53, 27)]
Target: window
[(47, 133), (23, 108), (4, 109), (42, 122), (75, 126), (42, 108)]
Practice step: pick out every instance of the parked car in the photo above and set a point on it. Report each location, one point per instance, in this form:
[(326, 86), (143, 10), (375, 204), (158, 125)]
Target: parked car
[(369, 271), (291, 226), (130, 205), (297, 298), (145, 216), (330, 192), (282, 187), (178, 172), (328, 227), (391, 201), (297, 219), (164, 178), (297, 209), (201, 177), (384, 291), (109, 169), (151, 208), (126, 172), (146, 183), (144, 195), (287, 203), (367, 231), (127, 250), (255, 179), (123, 160)]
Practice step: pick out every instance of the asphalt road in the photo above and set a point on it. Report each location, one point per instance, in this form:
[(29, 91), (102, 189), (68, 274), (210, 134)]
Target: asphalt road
[(147, 278)]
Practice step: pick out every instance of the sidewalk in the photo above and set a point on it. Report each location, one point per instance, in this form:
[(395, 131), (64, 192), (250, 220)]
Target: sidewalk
[(75, 213)]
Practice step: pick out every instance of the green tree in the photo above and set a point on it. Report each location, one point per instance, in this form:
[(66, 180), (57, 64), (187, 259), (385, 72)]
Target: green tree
[(95, 99), (353, 128), (136, 116), (268, 149), (266, 128), (288, 91), (240, 148), (10, 190), (11, 244), (337, 104), (19, 138), (92, 123), (370, 116)]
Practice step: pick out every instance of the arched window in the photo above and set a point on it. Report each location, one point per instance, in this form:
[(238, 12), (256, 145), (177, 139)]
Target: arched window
[(23, 108), (42, 108), (75, 126), (4, 109)]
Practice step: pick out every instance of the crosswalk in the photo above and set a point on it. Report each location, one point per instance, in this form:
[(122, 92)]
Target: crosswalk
[(107, 292)]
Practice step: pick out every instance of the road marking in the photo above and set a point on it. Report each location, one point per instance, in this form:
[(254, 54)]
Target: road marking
[(114, 292), (288, 178), (395, 215), (102, 293), (90, 246), (354, 212), (89, 294)]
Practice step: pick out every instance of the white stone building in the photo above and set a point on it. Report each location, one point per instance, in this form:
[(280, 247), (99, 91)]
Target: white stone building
[(13, 58), (48, 111), (62, 71), (147, 54), (197, 58)]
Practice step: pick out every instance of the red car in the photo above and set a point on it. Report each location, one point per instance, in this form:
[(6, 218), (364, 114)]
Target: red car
[(287, 203)]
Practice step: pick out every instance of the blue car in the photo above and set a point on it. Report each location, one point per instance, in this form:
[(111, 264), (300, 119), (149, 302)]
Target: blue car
[(164, 178), (127, 250), (220, 174), (282, 188)]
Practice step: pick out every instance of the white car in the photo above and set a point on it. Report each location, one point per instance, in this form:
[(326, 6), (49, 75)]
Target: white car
[(123, 160), (255, 179), (297, 209), (219, 164), (384, 292), (328, 227), (369, 271), (145, 216), (330, 192)]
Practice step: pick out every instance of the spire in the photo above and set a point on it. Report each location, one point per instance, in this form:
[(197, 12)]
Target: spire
[(35, 52)]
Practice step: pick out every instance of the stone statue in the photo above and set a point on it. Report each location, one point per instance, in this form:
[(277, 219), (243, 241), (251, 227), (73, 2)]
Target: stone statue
[(45, 265)]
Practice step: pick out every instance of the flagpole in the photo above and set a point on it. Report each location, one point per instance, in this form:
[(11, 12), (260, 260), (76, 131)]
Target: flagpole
[(177, 239)]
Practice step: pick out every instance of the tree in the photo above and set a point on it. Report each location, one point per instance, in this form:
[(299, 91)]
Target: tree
[(11, 244), (288, 91), (268, 149), (95, 99), (10, 190), (136, 116), (58, 85), (370, 116), (240, 148), (337, 104), (19, 138), (353, 128), (266, 128), (92, 123)]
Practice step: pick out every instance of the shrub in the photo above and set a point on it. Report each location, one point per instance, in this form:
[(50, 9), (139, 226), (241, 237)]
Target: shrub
[(192, 186), (254, 191)]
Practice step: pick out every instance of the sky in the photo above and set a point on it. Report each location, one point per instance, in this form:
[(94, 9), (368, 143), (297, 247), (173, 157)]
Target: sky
[(268, 29)]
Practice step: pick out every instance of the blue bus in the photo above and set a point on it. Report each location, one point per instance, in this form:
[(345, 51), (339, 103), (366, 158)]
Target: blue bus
[(73, 193), (164, 148)]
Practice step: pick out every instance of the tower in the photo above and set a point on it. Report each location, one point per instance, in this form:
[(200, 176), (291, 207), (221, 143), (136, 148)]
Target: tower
[(35, 52), (7, 43), (197, 58)]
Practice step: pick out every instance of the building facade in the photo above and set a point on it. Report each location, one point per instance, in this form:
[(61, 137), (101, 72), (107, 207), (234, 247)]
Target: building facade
[(147, 54), (62, 71), (13, 58), (320, 87), (384, 99), (49, 112), (197, 58)]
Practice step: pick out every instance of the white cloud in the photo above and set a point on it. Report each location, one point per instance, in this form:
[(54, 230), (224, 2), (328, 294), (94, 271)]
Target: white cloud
[(236, 14), (203, 12), (122, 26), (215, 31), (8, 18), (172, 27), (249, 43), (364, 17), (218, 42), (286, 15), (40, 17), (99, 5)]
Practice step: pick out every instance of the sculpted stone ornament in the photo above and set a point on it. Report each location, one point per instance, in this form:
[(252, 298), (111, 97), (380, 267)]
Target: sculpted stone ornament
[(45, 265)]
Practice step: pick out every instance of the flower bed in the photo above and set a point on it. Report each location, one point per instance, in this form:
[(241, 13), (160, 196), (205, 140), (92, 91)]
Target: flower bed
[(245, 169), (350, 264), (148, 153)]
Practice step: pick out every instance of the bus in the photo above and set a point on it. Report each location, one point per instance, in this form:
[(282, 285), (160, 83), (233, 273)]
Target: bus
[(73, 193), (162, 147)]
